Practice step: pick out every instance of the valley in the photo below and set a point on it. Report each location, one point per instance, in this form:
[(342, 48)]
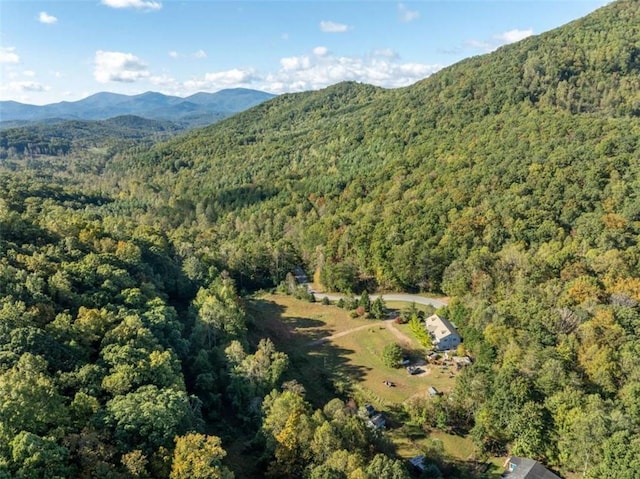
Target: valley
[(155, 320)]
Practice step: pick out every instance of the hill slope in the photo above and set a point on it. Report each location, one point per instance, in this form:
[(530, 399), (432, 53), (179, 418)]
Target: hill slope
[(62, 137), (508, 181), (438, 161)]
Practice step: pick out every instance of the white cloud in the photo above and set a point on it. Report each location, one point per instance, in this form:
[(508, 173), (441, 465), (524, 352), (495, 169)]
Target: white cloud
[(481, 45), (295, 63), (333, 27), (314, 71), (200, 54), (512, 36), (407, 15), (320, 51), (499, 39), (44, 17), (27, 86), (140, 4), (214, 81), (29, 73), (231, 77), (386, 52), (310, 73), (8, 55), (163, 80), (119, 67)]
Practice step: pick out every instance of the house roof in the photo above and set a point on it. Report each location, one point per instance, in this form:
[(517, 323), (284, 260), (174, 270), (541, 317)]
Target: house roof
[(523, 468), (439, 327), (378, 421), (418, 461), (462, 360)]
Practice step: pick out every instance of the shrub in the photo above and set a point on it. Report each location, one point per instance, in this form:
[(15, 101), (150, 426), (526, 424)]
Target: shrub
[(392, 355)]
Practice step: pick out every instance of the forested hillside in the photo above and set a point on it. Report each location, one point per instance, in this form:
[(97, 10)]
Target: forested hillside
[(76, 136), (508, 181)]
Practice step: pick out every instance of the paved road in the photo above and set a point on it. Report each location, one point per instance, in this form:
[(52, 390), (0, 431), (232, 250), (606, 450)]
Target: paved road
[(409, 298), (303, 280)]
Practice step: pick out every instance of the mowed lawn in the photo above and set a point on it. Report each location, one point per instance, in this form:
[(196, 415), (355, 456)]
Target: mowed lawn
[(352, 361), (294, 326), (412, 441)]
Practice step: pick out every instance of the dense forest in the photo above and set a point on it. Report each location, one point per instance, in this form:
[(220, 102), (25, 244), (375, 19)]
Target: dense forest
[(508, 181), (60, 138)]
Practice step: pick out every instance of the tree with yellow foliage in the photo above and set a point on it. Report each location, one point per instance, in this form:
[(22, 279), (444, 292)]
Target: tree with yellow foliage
[(199, 457)]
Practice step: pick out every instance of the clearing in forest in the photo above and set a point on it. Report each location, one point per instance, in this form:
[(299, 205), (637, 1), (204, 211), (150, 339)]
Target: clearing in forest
[(328, 348)]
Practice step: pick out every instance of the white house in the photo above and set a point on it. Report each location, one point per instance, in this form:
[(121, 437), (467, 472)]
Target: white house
[(443, 335)]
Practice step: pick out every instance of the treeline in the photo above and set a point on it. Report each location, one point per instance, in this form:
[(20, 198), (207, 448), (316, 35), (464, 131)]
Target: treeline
[(386, 189), (124, 354), (508, 181), (60, 138)]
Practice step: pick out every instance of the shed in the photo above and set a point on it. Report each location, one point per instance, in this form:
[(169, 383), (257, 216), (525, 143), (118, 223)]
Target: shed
[(418, 462), (370, 410), (377, 422)]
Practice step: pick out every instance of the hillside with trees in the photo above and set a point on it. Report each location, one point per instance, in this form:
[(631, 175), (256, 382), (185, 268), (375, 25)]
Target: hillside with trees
[(508, 181)]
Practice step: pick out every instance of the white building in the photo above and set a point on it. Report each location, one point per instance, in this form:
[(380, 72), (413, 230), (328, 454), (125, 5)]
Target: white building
[(443, 335)]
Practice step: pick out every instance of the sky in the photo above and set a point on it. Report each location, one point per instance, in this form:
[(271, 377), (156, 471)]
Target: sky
[(65, 50)]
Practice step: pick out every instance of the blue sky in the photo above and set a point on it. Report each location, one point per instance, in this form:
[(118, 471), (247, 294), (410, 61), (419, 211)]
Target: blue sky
[(67, 49)]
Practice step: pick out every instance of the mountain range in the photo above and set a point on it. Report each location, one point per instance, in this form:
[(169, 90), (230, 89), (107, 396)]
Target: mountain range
[(195, 110), (508, 182)]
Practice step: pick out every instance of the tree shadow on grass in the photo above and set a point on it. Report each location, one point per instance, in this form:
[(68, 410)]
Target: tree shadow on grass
[(471, 469), (324, 370)]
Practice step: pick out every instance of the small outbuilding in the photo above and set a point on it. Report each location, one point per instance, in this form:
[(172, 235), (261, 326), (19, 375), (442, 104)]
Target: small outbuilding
[(377, 422), (369, 409), (433, 391), (418, 462)]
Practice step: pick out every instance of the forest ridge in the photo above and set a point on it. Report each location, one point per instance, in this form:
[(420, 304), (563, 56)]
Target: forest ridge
[(508, 181)]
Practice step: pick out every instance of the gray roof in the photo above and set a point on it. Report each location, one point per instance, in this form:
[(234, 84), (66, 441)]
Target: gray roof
[(439, 327), (378, 421), (524, 468), (418, 461)]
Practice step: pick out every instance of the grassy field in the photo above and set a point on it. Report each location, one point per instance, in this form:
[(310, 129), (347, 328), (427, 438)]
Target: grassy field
[(401, 305), (413, 441), (348, 362), (293, 326), (352, 360)]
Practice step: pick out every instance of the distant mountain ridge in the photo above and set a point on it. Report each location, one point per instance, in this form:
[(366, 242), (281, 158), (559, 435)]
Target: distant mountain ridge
[(195, 110)]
